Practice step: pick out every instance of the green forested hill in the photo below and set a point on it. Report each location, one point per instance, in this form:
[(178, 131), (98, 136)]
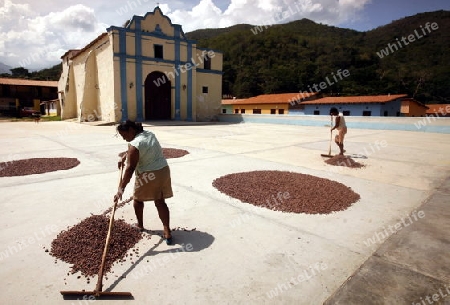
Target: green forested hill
[(294, 56), (49, 74)]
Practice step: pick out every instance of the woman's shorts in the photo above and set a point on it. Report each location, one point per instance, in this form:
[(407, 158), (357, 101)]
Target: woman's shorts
[(153, 185), (340, 136)]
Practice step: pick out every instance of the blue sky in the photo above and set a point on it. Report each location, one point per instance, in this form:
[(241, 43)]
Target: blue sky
[(35, 34), (381, 12)]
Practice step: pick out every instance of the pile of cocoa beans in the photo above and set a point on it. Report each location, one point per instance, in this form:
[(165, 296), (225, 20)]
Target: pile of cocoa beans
[(174, 153), (36, 166), (82, 245), (287, 191)]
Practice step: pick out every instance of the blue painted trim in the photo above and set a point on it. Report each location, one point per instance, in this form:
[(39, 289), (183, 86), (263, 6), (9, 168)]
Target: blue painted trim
[(159, 60), (146, 58), (138, 85), (304, 121), (123, 74), (177, 38), (152, 34), (177, 75), (189, 85)]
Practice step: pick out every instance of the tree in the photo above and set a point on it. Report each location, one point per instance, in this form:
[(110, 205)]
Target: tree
[(20, 72)]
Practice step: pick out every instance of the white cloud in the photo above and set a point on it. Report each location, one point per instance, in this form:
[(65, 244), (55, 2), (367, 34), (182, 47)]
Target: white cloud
[(74, 18), (204, 15), (264, 12), (37, 38), (14, 15), (36, 42)]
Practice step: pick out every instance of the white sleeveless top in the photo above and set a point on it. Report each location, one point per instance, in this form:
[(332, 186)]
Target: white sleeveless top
[(151, 157), (342, 124)]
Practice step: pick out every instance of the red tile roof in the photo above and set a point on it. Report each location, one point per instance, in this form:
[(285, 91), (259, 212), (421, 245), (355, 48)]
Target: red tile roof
[(27, 82), (355, 99), (281, 98), (437, 108)]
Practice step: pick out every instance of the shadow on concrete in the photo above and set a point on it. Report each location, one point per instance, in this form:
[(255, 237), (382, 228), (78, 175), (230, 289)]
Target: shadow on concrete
[(235, 118), (182, 237), (183, 241), (175, 123), (89, 296), (227, 119)]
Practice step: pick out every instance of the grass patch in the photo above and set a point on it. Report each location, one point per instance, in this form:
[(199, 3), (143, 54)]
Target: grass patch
[(51, 118), (30, 119)]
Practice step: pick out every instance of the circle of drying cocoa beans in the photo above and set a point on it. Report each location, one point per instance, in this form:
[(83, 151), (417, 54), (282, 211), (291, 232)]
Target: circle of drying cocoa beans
[(287, 191), (174, 153), (83, 244), (341, 160), (36, 166)]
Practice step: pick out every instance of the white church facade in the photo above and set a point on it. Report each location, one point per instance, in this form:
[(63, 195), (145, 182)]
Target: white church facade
[(146, 70)]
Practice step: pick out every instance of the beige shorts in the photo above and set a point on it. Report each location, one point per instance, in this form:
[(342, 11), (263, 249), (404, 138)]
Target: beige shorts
[(341, 135), (153, 185)]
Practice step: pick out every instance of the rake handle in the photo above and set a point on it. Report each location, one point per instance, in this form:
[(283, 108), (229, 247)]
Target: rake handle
[(331, 135), (98, 287)]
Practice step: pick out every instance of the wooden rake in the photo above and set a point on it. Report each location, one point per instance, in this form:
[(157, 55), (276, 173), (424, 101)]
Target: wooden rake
[(97, 293)]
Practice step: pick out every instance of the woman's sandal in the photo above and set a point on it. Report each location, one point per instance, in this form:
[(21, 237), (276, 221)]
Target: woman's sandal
[(168, 240)]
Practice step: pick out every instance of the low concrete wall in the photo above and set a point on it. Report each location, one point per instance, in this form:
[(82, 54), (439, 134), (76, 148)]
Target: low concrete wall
[(420, 124)]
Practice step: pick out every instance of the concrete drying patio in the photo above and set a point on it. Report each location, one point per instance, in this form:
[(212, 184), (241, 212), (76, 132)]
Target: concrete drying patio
[(391, 247)]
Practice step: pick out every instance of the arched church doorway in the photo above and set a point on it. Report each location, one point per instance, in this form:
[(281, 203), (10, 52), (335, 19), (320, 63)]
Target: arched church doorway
[(157, 97)]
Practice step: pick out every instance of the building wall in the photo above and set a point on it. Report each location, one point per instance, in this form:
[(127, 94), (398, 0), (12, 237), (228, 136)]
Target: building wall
[(412, 109), (376, 109), (26, 94), (78, 87), (8, 103), (297, 111), (265, 108), (227, 109), (208, 104), (164, 25), (131, 91), (14, 97), (392, 108), (118, 105), (438, 110), (354, 109), (89, 100), (109, 77), (182, 63), (90, 84), (107, 100), (66, 91), (64, 88)]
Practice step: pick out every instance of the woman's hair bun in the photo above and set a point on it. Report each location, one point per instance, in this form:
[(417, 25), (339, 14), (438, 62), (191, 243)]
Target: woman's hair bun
[(126, 125)]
